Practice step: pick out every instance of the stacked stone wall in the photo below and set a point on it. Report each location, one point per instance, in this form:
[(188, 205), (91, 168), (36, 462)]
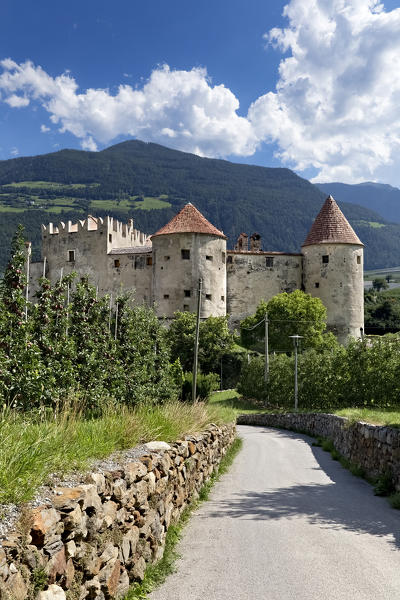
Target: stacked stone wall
[(93, 539), (374, 448)]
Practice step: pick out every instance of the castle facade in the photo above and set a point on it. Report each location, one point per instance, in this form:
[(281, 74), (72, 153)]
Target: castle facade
[(164, 269)]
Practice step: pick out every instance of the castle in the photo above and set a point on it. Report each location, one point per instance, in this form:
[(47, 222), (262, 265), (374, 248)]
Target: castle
[(164, 269)]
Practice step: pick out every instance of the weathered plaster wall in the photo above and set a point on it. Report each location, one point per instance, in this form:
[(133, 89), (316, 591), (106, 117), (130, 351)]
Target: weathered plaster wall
[(251, 278), (93, 539), (339, 283), (175, 277), (374, 448)]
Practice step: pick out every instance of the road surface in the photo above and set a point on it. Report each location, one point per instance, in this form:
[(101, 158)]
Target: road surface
[(287, 522)]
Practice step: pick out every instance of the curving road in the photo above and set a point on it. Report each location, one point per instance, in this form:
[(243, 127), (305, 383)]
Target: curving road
[(287, 522)]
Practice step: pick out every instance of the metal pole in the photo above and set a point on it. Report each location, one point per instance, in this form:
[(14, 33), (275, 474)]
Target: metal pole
[(295, 376), (109, 315), (362, 333), (116, 322), (28, 247), (196, 343), (67, 315), (266, 368), (44, 266)]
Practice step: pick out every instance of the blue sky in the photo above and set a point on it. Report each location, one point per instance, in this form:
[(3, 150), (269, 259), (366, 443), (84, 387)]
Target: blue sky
[(314, 86)]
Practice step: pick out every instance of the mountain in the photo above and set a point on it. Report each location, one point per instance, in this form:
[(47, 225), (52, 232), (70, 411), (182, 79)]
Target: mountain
[(151, 183), (382, 198)]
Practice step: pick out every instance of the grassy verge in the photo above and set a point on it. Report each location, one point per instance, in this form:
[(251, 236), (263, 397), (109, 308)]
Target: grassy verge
[(233, 401), (156, 574), (32, 447), (375, 416)]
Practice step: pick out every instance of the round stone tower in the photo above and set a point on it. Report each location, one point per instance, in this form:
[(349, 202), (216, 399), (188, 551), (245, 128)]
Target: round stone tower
[(187, 249), (333, 270)]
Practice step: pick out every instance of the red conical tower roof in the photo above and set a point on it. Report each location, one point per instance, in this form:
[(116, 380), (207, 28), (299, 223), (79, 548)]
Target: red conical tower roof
[(331, 227), (189, 220)]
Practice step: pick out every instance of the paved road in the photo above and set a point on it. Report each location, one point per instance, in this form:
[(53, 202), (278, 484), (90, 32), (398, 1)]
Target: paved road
[(287, 522)]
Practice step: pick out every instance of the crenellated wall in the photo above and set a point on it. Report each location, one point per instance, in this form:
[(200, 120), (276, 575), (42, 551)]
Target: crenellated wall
[(92, 539)]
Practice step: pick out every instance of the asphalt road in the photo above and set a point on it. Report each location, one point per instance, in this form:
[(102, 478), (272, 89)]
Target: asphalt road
[(287, 522)]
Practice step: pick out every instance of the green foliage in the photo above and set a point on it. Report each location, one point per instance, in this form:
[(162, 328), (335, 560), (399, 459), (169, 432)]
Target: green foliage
[(384, 485), (215, 340), (379, 284), (205, 385), (382, 312), (288, 314)]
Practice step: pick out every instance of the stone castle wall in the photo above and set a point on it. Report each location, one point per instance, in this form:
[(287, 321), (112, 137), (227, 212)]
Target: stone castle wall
[(374, 448), (93, 539)]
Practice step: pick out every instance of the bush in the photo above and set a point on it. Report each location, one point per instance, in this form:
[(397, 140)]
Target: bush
[(206, 384)]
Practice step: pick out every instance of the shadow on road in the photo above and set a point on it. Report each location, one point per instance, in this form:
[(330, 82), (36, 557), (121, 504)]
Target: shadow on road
[(346, 502)]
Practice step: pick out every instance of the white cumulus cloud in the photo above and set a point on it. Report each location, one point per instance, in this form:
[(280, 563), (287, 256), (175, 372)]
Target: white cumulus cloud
[(44, 129), (335, 107)]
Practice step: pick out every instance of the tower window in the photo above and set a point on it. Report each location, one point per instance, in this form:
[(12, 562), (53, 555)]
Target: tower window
[(185, 254), (317, 284), (208, 257), (110, 237), (166, 258), (187, 293), (186, 307), (230, 260), (166, 296), (116, 263), (269, 261), (149, 260), (71, 255), (325, 258), (359, 259), (223, 298), (223, 257), (208, 297)]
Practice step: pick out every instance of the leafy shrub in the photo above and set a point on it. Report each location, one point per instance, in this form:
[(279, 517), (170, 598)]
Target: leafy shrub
[(206, 384)]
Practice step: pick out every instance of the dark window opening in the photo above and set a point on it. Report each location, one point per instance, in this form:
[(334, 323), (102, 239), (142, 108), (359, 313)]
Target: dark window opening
[(166, 258), (223, 298), (166, 296), (269, 261), (186, 307), (230, 260), (317, 284), (208, 257), (223, 257), (208, 297), (149, 260), (359, 260), (187, 293), (71, 255), (110, 237), (325, 258), (185, 254), (116, 263)]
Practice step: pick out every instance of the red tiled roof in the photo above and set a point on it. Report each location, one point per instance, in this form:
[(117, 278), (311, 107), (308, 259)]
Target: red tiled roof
[(331, 227), (189, 220)]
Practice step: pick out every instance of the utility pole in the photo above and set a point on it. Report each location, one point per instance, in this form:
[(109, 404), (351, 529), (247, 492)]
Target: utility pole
[(196, 342), (266, 368), (295, 339), (116, 322), (28, 264)]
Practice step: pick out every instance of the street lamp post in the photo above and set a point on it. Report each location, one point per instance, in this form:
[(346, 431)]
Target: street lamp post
[(295, 339)]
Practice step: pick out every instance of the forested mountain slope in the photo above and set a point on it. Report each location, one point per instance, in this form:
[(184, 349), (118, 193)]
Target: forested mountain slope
[(151, 183)]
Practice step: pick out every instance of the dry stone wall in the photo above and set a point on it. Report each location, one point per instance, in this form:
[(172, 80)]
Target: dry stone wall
[(94, 539), (374, 448)]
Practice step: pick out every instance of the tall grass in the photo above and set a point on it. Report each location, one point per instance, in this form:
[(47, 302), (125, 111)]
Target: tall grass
[(32, 446)]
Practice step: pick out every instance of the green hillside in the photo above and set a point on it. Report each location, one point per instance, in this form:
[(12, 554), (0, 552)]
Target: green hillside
[(151, 183)]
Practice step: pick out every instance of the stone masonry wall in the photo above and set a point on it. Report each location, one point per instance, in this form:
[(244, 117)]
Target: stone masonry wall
[(93, 539), (374, 448)]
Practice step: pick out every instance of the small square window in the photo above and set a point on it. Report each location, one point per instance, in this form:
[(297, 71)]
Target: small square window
[(325, 258), (166, 258), (71, 255), (166, 296), (230, 260), (187, 294), (186, 307), (223, 298), (117, 263), (224, 257), (149, 260), (208, 257), (359, 259), (110, 237), (317, 284), (185, 254), (208, 297), (269, 261)]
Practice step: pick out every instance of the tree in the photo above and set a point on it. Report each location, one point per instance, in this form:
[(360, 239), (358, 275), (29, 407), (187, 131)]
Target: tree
[(379, 284), (215, 340), (288, 314)]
